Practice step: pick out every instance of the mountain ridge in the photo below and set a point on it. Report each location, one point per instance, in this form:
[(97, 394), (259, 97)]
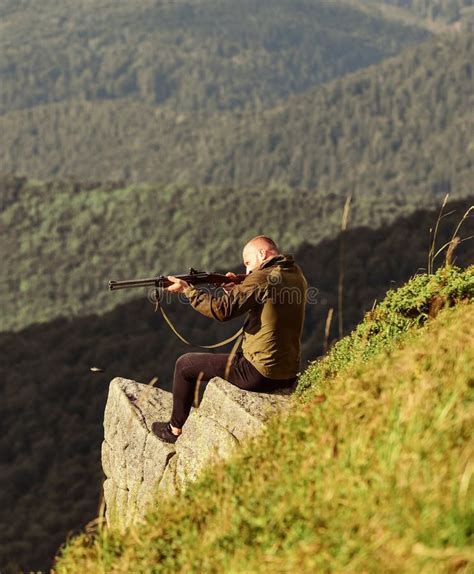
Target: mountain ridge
[(422, 96), (193, 56)]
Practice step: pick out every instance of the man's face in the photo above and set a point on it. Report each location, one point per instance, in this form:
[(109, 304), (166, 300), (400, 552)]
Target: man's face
[(253, 257)]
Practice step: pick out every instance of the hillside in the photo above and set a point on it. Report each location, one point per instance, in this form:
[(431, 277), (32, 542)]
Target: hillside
[(196, 56), (400, 125), (373, 478), (50, 455)]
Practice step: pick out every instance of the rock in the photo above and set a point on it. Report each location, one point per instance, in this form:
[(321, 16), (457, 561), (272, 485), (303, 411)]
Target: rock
[(203, 441), (154, 466), (168, 485), (116, 503), (141, 469), (133, 459), (242, 413)]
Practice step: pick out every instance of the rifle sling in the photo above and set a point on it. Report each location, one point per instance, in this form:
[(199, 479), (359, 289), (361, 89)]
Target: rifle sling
[(184, 340)]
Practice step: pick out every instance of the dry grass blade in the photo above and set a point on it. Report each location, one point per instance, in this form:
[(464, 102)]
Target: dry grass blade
[(433, 240), (449, 253), (345, 213), (231, 356), (340, 287), (327, 328), (197, 388), (454, 241), (463, 219), (97, 524), (153, 381)]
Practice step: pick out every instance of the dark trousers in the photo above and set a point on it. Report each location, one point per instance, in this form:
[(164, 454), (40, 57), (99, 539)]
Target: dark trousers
[(240, 372)]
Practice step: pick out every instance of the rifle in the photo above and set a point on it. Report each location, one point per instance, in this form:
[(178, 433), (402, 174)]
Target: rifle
[(193, 278)]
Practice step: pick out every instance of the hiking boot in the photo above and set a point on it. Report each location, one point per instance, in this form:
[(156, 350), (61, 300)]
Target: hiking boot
[(163, 431)]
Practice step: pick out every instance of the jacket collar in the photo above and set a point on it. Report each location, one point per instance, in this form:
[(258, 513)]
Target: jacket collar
[(286, 260)]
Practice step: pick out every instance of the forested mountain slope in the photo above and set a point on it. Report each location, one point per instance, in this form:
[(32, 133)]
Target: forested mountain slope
[(400, 125), (396, 136), (62, 242), (193, 56), (51, 404), (399, 128)]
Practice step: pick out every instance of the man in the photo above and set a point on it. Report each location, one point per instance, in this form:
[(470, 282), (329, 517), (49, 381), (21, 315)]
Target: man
[(273, 294)]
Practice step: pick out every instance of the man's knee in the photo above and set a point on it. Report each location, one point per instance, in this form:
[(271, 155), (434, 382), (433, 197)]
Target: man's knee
[(182, 362), (192, 362)]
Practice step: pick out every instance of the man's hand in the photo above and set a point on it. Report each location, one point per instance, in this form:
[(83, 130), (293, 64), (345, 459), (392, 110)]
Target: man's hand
[(177, 285), (229, 286)]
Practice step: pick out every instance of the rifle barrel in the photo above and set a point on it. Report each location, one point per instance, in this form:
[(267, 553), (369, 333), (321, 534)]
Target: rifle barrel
[(150, 282)]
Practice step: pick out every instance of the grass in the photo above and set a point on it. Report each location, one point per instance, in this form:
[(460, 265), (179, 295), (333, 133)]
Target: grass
[(376, 478), (402, 309)]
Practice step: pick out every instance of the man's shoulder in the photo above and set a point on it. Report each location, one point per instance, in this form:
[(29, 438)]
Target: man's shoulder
[(257, 277)]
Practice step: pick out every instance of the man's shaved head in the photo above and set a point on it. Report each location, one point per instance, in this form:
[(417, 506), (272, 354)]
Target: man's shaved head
[(262, 242), (257, 250)]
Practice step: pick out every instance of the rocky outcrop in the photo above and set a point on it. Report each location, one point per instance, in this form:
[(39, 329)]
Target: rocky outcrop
[(141, 469)]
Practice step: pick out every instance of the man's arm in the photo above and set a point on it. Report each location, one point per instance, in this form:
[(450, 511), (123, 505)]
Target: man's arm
[(243, 297)]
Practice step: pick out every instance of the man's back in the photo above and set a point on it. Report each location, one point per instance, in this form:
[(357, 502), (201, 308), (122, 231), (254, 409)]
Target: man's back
[(272, 334)]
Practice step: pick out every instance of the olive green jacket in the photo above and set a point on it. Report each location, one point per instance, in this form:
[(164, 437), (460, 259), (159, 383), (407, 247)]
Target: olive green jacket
[(274, 297)]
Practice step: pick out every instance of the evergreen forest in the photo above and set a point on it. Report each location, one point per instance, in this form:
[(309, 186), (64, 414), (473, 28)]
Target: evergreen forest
[(402, 124)]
